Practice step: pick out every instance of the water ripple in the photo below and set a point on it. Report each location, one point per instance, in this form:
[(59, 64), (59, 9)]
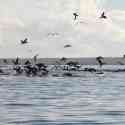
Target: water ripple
[(93, 100)]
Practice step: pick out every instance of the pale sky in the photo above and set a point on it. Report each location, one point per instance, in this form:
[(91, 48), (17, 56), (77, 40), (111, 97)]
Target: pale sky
[(49, 25)]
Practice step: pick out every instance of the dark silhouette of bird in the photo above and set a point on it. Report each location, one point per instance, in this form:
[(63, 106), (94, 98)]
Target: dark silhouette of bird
[(100, 61), (5, 61), (35, 58), (25, 41), (75, 16), (103, 16), (27, 62), (67, 46), (63, 59), (16, 62)]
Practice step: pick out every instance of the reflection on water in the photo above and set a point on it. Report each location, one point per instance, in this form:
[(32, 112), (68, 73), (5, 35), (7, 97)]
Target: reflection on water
[(89, 100)]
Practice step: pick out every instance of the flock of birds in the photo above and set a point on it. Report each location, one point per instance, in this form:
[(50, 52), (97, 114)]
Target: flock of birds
[(26, 41), (76, 15), (103, 16)]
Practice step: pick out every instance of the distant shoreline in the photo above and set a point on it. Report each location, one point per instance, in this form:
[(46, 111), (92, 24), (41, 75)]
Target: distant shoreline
[(82, 61)]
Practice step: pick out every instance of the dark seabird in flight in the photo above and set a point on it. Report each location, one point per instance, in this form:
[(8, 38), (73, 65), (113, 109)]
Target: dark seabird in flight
[(103, 16), (67, 46), (25, 41), (75, 16)]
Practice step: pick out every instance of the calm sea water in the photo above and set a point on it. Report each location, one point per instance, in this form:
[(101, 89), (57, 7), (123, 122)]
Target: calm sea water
[(88, 100)]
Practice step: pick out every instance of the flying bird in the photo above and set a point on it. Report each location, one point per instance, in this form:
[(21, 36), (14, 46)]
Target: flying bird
[(75, 16), (25, 41), (103, 16), (67, 46)]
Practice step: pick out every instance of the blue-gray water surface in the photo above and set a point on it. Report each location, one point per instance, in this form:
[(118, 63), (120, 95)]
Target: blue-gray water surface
[(89, 100)]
